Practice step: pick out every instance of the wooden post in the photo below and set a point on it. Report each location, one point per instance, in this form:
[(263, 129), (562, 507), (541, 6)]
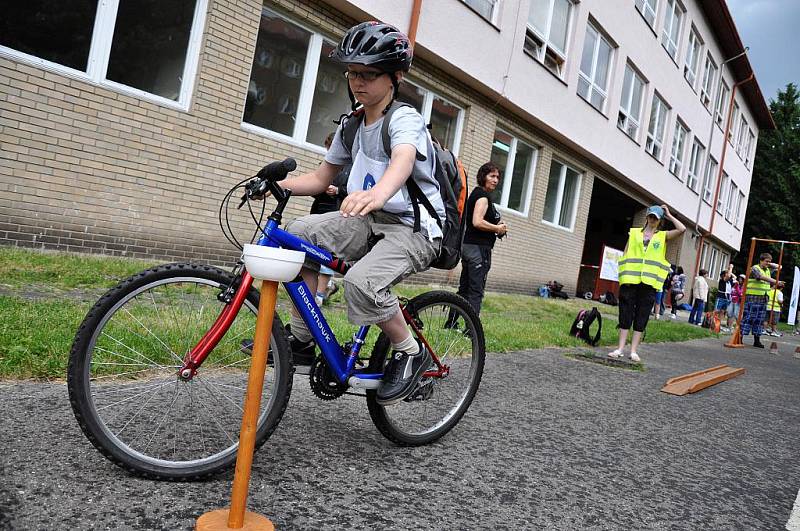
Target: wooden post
[(736, 338), (237, 517), (775, 288)]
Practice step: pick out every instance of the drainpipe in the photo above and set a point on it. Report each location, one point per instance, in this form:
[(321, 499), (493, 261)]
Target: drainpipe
[(414, 22), (721, 170)]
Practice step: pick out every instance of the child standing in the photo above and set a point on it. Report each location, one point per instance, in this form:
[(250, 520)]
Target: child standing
[(700, 298)]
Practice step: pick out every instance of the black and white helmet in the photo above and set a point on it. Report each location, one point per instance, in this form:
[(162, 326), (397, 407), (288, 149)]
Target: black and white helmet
[(375, 44)]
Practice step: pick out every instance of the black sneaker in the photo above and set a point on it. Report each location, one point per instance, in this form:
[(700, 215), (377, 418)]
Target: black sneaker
[(402, 374), (757, 342), (302, 352)]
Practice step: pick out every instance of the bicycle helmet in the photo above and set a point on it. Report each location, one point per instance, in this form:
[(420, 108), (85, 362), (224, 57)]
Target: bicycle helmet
[(375, 44)]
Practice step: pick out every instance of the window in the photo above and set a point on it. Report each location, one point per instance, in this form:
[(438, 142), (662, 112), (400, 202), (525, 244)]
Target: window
[(561, 201), (712, 263), (692, 57), (648, 10), (708, 179), (739, 212), (297, 91), (720, 107), (733, 192), (695, 165), (748, 150), (707, 89), (485, 8), (672, 28), (724, 260), (704, 256), (734, 122), (517, 161), (659, 112), (148, 48), (630, 105), (741, 135), (547, 30), (445, 118), (676, 155), (595, 68), (723, 189)]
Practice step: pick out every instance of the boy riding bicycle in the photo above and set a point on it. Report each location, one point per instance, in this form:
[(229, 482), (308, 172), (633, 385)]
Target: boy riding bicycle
[(375, 223)]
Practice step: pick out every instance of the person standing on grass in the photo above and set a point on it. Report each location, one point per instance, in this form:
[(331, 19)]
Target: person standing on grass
[(483, 228), (700, 298), (642, 270), (755, 297), (724, 287), (736, 301), (676, 291)]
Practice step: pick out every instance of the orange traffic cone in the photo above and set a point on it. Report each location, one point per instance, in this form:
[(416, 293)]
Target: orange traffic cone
[(773, 348)]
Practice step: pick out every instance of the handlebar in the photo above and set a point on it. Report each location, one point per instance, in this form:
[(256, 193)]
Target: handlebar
[(266, 178)]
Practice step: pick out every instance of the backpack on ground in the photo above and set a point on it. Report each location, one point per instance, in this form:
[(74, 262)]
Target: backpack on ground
[(581, 324), (449, 174), (610, 298)]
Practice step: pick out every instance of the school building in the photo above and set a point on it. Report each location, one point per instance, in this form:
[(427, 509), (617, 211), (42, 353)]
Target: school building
[(121, 129)]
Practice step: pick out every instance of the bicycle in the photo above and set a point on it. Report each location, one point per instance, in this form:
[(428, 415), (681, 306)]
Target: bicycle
[(156, 375)]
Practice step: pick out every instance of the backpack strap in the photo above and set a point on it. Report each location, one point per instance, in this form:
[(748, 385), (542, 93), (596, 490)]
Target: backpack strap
[(596, 337), (417, 197)]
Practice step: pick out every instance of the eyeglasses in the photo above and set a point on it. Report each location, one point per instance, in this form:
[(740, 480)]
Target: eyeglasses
[(366, 76)]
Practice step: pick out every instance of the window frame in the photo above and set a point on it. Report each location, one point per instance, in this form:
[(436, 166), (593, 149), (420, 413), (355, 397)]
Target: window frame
[(508, 173), (694, 35), (653, 9), (624, 113), (544, 45), (493, 17), (100, 54), (679, 145), (740, 135), (562, 178), (651, 139), (723, 189), (707, 191), (676, 13), (427, 109), (732, 189), (734, 123), (721, 105), (595, 55), (707, 86), (751, 137), (695, 163), (739, 213), (712, 262)]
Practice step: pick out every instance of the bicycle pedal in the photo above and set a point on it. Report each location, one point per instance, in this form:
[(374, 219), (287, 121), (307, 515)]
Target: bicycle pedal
[(423, 392)]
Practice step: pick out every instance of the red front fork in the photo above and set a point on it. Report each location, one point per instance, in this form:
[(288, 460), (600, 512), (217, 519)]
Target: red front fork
[(441, 370), (195, 357)]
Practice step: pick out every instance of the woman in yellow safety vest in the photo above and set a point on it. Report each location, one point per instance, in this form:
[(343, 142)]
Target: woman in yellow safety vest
[(642, 271), (759, 283)]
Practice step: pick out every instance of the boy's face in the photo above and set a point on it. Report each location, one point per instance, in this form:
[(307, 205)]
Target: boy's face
[(372, 90)]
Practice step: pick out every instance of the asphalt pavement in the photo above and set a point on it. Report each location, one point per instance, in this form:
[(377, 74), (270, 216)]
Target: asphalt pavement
[(550, 442)]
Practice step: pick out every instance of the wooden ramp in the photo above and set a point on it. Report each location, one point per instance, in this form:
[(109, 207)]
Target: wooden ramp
[(696, 381)]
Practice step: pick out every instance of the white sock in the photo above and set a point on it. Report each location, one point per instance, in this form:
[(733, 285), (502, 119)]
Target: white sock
[(409, 345)]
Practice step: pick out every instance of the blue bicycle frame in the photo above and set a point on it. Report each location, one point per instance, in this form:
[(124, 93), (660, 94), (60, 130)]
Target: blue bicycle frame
[(341, 365)]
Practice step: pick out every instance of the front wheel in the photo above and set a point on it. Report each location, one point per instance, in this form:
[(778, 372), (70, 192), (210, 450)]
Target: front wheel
[(123, 374), (454, 332)]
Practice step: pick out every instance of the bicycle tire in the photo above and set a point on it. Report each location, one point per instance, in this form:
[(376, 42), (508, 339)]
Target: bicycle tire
[(123, 369), (460, 345)]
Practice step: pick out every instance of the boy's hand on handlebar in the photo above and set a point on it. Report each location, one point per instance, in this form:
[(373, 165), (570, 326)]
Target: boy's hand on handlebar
[(361, 203)]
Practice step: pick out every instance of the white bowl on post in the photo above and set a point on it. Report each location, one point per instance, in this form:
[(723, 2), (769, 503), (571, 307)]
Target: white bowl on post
[(271, 263)]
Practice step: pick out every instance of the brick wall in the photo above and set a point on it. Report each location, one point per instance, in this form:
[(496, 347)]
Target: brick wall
[(86, 168)]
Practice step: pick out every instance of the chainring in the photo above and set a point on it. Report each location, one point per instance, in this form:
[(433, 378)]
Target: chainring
[(323, 383)]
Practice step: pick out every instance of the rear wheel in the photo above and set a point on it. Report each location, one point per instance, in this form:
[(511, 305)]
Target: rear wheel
[(454, 332), (123, 381)]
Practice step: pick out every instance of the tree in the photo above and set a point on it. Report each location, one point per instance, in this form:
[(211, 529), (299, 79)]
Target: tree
[(773, 210)]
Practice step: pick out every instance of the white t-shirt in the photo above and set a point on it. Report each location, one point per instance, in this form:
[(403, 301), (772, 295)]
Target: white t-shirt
[(407, 127)]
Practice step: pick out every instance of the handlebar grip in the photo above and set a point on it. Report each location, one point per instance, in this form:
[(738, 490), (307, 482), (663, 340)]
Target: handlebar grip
[(276, 171)]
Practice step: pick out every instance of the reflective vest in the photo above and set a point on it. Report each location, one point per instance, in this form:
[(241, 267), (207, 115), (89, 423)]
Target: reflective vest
[(644, 266), (774, 305), (759, 287)]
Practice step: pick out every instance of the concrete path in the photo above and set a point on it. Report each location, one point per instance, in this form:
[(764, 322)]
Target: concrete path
[(550, 443)]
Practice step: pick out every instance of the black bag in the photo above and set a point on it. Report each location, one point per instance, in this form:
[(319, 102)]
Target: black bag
[(450, 176), (581, 324)]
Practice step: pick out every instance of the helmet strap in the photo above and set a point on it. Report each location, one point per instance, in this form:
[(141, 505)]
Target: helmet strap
[(353, 104), (395, 88)]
